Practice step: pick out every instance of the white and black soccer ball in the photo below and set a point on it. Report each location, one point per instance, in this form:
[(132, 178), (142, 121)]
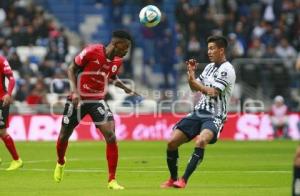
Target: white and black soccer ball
[(150, 16)]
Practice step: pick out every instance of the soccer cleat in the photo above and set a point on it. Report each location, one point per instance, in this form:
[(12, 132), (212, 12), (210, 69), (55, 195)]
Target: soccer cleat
[(59, 172), (180, 183), (15, 164), (113, 184), (167, 184)]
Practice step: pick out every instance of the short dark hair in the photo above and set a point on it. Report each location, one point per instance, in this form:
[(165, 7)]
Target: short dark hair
[(220, 41), (122, 34)]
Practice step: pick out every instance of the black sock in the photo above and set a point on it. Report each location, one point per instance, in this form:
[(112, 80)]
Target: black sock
[(196, 159), (296, 181), (172, 157)]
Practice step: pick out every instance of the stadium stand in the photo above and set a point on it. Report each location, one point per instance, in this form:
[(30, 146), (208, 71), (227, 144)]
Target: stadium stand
[(35, 36)]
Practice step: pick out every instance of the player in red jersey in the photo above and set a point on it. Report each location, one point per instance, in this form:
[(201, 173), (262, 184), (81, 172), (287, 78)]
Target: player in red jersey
[(5, 94), (89, 74)]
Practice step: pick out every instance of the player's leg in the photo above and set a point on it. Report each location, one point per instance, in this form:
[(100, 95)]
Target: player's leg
[(10, 145), (7, 139), (202, 140), (108, 131), (103, 119), (177, 138), (209, 133), (296, 176), (69, 122)]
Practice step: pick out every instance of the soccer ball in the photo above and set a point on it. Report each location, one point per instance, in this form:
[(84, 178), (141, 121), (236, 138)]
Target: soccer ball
[(150, 16)]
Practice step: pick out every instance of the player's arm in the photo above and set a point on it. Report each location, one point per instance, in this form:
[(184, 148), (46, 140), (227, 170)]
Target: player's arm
[(11, 83), (72, 78), (195, 85), (10, 88), (79, 61), (118, 83)]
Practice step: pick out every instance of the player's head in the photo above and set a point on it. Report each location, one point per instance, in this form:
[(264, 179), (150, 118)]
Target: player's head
[(121, 41), (216, 48)]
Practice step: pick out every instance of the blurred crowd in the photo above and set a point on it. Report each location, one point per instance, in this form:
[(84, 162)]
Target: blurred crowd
[(263, 34), (255, 28), (266, 33), (25, 24)]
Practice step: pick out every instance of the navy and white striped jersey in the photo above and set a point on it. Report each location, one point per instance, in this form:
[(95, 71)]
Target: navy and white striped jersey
[(223, 78)]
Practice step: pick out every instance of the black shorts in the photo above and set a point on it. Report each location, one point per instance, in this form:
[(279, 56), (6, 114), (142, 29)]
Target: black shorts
[(195, 122), (4, 112), (97, 109)]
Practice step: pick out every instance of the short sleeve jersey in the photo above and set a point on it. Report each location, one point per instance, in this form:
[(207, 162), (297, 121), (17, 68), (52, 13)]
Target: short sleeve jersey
[(96, 70), (221, 77)]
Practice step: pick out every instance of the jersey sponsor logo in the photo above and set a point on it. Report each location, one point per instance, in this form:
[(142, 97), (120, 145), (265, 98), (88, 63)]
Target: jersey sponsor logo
[(97, 81), (85, 86), (216, 74), (114, 68), (224, 74)]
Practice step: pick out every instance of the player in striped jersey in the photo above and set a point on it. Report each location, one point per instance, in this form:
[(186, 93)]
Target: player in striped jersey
[(204, 124)]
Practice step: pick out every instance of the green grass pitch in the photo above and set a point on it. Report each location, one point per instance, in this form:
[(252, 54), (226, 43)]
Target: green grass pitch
[(229, 168)]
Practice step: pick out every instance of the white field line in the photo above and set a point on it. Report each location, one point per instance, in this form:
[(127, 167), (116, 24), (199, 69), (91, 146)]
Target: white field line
[(101, 159), (154, 171)]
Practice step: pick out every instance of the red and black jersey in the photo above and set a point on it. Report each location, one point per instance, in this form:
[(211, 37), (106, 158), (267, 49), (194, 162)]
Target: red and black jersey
[(5, 71), (96, 71)]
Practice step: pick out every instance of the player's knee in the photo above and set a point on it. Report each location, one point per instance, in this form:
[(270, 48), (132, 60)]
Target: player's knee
[(2, 132), (201, 142), (110, 137), (172, 145), (64, 135), (63, 138)]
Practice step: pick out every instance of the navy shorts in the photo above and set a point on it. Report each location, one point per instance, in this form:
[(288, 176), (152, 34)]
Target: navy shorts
[(97, 109), (4, 112), (195, 122)]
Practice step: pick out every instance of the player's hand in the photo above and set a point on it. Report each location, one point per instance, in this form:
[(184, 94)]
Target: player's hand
[(210, 92), (6, 100), (129, 91), (191, 65), (75, 99), (191, 76)]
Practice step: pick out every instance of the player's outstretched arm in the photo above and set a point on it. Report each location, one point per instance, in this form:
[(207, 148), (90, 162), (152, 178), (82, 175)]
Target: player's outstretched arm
[(194, 84), (118, 83)]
